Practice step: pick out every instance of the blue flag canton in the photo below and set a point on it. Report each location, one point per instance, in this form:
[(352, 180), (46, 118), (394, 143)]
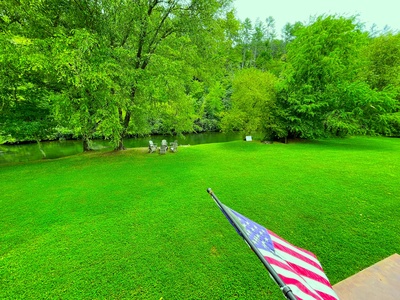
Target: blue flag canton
[(256, 233)]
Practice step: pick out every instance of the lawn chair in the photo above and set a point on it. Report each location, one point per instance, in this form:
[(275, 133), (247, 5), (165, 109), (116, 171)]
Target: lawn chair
[(152, 147), (174, 146), (163, 147)]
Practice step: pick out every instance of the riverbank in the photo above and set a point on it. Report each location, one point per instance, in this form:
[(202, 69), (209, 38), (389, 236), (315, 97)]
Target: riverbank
[(55, 149)]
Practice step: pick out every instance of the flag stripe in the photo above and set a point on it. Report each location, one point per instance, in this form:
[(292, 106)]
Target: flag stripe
[(298, 262), (301, 295), (299, 290), (299, 270), (328, 296), (296, 255), (306, 280), (314, 283), (278, 240), (305, 251), (291, 278)]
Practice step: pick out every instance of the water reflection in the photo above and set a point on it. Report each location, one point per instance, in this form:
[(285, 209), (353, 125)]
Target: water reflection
[(56, 149), (30, 152)]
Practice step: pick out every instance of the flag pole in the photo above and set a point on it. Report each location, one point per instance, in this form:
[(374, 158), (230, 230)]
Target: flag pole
[(287, 292)]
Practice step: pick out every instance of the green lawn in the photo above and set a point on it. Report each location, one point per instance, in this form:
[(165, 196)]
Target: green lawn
[(134, 225)]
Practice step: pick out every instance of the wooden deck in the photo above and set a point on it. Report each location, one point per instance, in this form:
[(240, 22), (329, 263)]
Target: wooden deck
[(379, 281)]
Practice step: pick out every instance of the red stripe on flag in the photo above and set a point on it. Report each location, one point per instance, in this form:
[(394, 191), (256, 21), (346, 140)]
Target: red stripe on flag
[(327, 296), (301, 249), (294, 253), (320, 296), (297, 255), (309, 274), (301, 287), (300, 271)]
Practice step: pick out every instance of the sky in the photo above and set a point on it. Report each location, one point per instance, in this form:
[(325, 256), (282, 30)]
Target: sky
[(379, 12)]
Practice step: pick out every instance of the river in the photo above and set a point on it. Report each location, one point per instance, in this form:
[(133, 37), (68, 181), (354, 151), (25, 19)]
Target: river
[(55, 149)]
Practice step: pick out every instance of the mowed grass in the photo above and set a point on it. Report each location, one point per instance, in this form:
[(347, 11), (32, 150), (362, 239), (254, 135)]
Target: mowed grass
[(133, 225)]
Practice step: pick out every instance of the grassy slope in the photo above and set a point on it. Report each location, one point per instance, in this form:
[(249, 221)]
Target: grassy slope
[(141, 226)]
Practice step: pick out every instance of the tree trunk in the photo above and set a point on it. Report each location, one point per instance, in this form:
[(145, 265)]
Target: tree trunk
[(41, 149), (86, 144), (120, 145), (125, 124)]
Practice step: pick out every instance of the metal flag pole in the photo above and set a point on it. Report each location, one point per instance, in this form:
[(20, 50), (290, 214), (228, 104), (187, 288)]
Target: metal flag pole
[(287, 292)]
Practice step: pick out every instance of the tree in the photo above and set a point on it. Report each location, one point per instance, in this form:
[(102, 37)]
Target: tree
[(383, 55), (244, 43), (259, 46), (124, 67), (154, 26), (24, 104), (322, 92), (383, 71), (272, 57), (253, 104), (289, 31), (89, 98), (35, 29)]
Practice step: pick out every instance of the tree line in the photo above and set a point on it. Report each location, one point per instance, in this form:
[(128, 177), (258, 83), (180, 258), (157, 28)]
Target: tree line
[(117, 68)]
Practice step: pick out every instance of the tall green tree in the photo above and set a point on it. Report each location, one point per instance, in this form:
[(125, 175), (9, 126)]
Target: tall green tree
[(253, 104), (89, 96), (243, 40), (383, 54), (272, 57), (24, 104), (383, 71), (125, 67), (323, 93), (34, 29), (154, 27), (259, 46)]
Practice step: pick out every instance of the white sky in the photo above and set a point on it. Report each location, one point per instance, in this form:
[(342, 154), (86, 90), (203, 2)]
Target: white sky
[(380, 12)]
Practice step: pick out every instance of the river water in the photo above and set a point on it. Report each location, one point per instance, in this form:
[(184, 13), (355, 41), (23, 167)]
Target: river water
[(56, 149)]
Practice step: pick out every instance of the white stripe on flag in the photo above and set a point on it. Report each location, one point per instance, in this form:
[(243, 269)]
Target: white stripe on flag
[(297, 261), (308, 282), (300, 294), (282, 242), (289, 274)]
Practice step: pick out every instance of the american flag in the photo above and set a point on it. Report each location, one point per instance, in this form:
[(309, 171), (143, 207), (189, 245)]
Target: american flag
[(299, 269)]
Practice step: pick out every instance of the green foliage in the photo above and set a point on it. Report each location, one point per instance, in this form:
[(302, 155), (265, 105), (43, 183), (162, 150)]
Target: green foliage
[(24, 105), (383, 55), (112, 69), (253, 103), (109, 61), (159, 30), (259, 46), (90, 97), (211, 107), (289, 31), (359, 109), (323, 93)]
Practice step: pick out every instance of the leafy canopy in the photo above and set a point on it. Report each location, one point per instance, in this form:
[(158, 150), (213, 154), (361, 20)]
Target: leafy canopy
[(323, 93)]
